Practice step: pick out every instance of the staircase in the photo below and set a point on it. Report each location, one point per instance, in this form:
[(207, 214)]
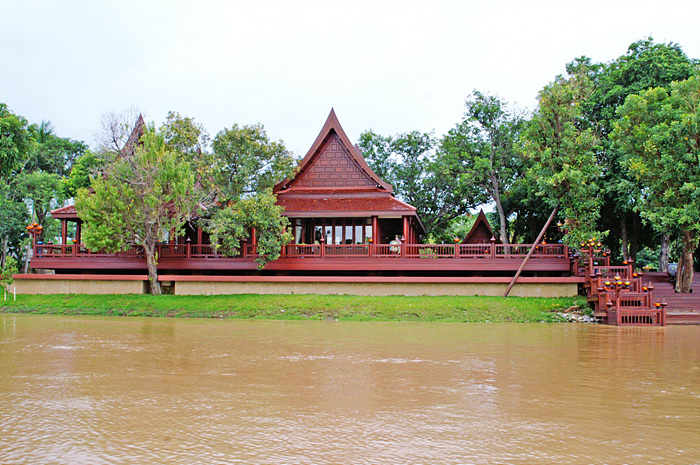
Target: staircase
[(683, 309), (619, 295)]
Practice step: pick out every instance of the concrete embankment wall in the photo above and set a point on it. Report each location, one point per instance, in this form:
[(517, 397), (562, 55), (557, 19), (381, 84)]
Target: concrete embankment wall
[(356, 285), (78, 284)]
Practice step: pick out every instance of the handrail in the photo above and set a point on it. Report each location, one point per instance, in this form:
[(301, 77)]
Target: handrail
[(328, 251)]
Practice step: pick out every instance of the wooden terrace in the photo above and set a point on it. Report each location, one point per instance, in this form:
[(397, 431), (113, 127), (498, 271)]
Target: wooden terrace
[(548, 259)]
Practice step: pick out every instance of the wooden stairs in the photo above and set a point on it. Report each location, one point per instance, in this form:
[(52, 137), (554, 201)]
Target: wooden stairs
[(619, 295), (683, 309)]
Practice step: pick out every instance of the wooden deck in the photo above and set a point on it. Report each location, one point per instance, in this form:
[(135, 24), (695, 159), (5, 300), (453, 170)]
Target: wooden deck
[(473, 258), (682, 308)]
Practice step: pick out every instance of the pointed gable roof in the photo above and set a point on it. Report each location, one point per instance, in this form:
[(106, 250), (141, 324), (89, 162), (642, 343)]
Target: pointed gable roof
[(136, 133), (481, 231), (333, 163)]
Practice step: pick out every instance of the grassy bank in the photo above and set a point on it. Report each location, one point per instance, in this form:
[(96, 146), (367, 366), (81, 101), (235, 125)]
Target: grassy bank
[(296, 307)]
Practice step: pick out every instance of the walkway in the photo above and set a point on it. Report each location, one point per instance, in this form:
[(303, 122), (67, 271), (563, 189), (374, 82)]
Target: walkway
[(682, 308)]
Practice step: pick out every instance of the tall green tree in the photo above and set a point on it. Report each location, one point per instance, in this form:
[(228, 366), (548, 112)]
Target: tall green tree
[(246, 164), (246, 161), (562, 149), (659, 132), (141, 200), (419, 176), (51, 153), (14, 142), (482, 150), (646, 64)]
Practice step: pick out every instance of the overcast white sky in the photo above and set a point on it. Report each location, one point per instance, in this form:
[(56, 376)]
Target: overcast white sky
[(392, 66)]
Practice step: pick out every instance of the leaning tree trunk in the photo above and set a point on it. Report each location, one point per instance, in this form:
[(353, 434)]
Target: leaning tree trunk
[(685, 268), (152, 264), (663, 255)]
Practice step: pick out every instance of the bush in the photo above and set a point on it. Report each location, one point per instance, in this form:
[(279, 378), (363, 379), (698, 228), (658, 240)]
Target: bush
[(11, 267)]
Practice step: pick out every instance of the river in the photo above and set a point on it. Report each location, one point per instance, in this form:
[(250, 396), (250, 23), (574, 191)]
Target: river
[(90, 390)]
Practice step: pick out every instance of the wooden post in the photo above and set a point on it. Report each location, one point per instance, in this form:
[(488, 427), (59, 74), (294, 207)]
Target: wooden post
[(405, 228), (403, 246), (375, 229), (244, 247), (493, 247), (64, 231), (532, 249), (323, 246)]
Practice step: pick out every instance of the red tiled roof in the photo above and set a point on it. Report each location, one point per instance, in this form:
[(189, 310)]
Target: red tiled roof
[(68, 211), (346, 205)]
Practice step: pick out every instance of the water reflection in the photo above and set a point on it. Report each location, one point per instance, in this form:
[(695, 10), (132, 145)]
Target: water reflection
[(100, 390)]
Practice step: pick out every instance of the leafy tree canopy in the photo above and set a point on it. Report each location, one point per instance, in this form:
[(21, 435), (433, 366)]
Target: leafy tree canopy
[(420, 177), (141, 200), (246, 161), (14, 141), (562, 150), (482, 151), (659, 131)]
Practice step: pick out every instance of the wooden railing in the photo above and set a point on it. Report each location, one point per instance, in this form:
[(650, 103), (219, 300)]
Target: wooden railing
[(631, 304), (329, 251)]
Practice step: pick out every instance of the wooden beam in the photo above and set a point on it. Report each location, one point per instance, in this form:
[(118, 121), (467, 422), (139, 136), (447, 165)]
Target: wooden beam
[(532, 249)]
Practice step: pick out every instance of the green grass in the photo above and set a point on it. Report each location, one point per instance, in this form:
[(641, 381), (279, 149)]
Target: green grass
[(298, 307)]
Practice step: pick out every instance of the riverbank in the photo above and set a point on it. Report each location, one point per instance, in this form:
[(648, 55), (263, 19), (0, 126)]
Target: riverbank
[(297, 307)]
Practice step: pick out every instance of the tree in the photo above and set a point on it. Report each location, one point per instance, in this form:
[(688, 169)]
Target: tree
[(85, 166), (245, 166), (115, 130), (140, 200), (562, 150), (13, 219), (14, 142), (246, 161), (481, 150), (51, 153), (182, 134), (420, 177), (659, 133), (646, 64), (230, 226)]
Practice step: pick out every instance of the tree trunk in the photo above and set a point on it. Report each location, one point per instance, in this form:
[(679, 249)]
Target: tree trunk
[(663, 256), (684, 278), (152, 264), (634, 235), (3, 252), (27, 257), (625, 242), (504, 225)]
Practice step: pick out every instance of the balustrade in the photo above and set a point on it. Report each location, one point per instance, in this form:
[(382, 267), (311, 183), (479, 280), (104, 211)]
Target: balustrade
[(329, 251)]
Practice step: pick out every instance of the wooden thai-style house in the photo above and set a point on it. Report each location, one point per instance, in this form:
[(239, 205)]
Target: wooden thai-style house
[(345, 221), (336, 198)]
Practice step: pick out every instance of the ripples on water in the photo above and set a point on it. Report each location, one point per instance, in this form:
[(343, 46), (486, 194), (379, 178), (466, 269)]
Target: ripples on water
[(145, 391)]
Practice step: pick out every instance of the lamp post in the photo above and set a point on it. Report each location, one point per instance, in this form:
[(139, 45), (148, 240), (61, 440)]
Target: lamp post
[(34, 230), (616, 287)]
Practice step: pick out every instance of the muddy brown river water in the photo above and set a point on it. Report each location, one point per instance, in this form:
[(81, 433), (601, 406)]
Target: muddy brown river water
[(82, 390)]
